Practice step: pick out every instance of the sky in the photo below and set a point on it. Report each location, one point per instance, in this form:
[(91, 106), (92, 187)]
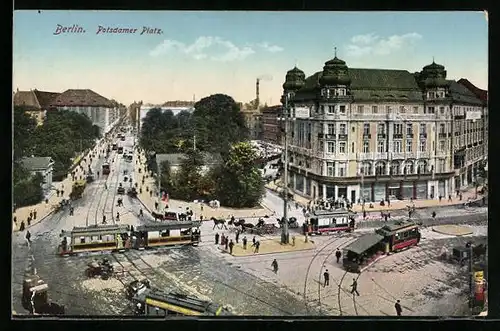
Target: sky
[(190, 55)]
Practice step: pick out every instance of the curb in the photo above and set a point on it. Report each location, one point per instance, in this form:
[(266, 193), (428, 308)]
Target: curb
[(39, 221), (257, 254)]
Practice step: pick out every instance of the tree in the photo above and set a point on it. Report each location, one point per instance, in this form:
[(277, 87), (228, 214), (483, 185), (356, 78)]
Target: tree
[(24, 127), (28, 190), (218, 123), (238, 182), (189, 177)]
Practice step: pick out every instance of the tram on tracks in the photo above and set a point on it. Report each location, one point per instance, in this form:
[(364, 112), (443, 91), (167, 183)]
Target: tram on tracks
[(119, 238), (105, 168), (155, 303), (326, 221), (390, 238)]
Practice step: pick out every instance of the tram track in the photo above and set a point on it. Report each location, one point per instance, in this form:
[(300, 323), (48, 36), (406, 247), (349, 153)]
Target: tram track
[(328, 244), (89, 209)]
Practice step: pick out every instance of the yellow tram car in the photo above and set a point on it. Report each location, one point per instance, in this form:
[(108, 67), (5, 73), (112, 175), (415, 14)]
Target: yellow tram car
[(168, 234), (97, 238)]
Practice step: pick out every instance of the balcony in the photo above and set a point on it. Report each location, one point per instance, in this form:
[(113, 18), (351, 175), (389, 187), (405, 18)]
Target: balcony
[(381, 136), (423, 155), (342, 136), (330, 136), (397, 136), (367, 136), (398, 155), (442, 135), (381, 156), (423, 135), (409, 136), (365, 156)]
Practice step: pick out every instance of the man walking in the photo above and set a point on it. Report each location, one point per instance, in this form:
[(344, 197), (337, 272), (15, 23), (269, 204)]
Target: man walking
[(354, 287), (338, 254), (217, 238), (326, 275), (237, 235), (244, 242), (399, 310), (275, 266), (256, 245), (231, 245)]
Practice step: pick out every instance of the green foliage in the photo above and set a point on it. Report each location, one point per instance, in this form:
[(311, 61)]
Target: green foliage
[(28, 190), (24, 127), (239, 182)]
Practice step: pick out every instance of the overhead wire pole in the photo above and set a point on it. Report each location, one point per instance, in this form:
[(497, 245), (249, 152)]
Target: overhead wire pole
[(284, 231)]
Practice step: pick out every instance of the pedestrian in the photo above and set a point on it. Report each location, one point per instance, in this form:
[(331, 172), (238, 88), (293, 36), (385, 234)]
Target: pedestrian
[(71, 211), (326, 276), (237, 235), (253, 240), (62, 193), (156, 205), (31, 214), (34, 214), (141, 213), (388, 203), (46, 201), (244, 242), (449, 198), (354, 286), (293, 240), (460, 196), (57, 192), (338, 254), (29, 221), (103, 219), (217, 238), (28, 236), (399, 310), (385, 217), (22, 226), (256, 245), (231, 245), (117, 216), (364, 214), (440, 198), (226, 244), (274, 264), (433, 214)]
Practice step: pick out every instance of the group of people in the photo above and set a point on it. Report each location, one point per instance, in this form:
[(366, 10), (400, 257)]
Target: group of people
[(229, 243)]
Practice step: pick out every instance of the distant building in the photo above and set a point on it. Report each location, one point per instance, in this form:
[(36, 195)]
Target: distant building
[(271, 127), (252, 117), (42, 165), (34, 102), (102, 112), (175, 159)]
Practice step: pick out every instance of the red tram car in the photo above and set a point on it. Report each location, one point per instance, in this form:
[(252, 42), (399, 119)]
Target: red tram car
[(388, 239)]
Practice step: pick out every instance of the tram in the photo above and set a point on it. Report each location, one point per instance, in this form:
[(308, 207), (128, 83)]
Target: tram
[(155, 303), (119, 238), (326, 221), (105, 169), (390, 238), (168, 234)]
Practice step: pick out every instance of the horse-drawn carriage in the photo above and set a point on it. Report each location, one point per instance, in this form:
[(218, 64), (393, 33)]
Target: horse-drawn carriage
[(292, 222), (261, 228), (264, 229), (77, 189), (61, 205), (132, 192)]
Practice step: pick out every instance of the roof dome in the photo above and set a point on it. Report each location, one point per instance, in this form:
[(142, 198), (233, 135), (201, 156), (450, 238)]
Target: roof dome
[(335, 72), (295, 79), (433, 75)]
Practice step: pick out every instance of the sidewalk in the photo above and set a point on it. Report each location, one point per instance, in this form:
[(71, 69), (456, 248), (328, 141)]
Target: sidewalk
[(272, 246), (395, 204), (44, 209), (149, 200)]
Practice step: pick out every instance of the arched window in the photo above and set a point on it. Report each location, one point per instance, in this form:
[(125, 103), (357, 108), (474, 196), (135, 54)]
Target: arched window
[(380, 168), (395, 169), (409, 168), (366, 169)]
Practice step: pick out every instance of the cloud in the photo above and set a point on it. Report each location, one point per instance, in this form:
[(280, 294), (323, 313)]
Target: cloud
[(270, 48), (214, 48), (371, 44)]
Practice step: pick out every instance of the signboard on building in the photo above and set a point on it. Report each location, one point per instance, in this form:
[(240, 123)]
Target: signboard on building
[(473, 115), (302, 112)]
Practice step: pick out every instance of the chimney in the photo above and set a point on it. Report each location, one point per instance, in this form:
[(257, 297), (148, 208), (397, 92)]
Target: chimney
[(257, 93)]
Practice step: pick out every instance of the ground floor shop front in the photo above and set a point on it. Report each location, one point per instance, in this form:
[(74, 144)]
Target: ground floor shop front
[(372, 191)]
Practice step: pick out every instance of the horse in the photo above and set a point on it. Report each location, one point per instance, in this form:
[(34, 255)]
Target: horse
[(218, 223)]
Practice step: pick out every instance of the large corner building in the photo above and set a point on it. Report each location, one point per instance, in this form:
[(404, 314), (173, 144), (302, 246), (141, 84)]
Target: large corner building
[(378, 134)]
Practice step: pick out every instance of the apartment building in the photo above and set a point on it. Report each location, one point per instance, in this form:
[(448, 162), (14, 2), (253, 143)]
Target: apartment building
[(377, 134)]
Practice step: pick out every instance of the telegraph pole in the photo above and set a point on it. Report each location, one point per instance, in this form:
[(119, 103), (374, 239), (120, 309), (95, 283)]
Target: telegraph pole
[(284, 227)]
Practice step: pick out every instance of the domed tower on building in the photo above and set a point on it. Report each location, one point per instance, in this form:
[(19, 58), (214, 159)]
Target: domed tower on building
[(294, 81), (335, 80), (432, 80)]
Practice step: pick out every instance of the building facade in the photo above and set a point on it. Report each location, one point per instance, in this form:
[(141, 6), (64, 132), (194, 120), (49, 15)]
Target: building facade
[(375, 134), (271, 126), (35, 103), (101, 111), (253, 121)]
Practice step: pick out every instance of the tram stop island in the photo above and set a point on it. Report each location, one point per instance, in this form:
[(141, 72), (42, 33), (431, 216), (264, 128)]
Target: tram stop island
[(273, 246)]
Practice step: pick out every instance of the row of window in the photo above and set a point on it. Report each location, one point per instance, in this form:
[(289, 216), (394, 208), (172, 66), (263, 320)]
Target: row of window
[(381, 128), (331, 146), (362, 109), (474, 153), (338, 169)]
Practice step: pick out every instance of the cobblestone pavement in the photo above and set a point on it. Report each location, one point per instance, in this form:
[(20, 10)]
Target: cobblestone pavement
[(199, 270), (415, 276)]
